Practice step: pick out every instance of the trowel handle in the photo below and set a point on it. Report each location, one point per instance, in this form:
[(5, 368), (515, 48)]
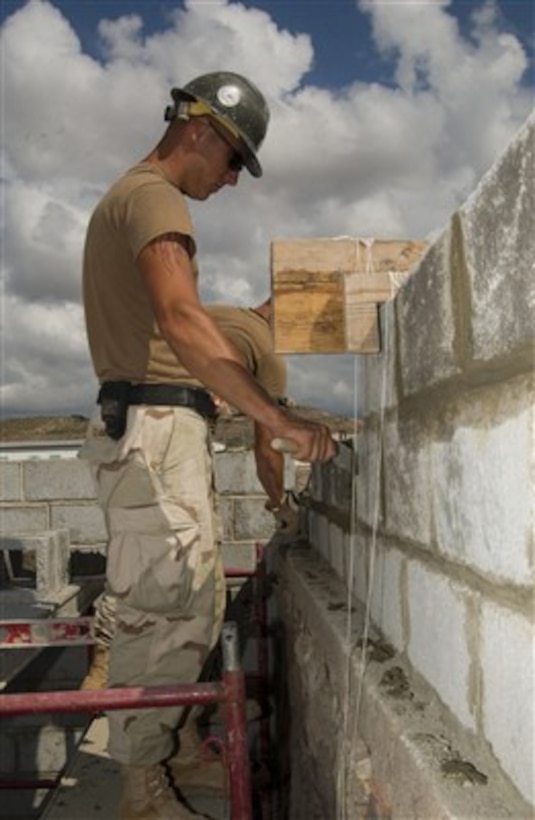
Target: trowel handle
[(284, 445)]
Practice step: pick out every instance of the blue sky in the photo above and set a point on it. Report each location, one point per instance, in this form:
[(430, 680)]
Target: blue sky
[(385, 115), (340, 32)]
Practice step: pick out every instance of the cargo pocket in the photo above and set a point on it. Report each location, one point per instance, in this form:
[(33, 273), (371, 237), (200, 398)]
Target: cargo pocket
[(150, 572)]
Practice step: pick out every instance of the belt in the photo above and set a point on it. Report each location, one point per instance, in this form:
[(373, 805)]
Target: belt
[(159, 394)]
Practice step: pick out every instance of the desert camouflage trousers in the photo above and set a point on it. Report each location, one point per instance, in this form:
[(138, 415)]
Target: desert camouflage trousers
[(164, 564)]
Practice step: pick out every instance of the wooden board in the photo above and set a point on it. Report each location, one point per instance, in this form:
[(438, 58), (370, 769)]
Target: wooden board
[(326, 292), (362, 334), (308, 315)]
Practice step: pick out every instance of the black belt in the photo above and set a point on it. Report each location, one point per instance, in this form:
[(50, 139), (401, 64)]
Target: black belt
[(115, 397)]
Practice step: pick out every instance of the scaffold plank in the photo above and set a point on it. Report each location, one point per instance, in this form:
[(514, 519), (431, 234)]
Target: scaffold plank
[(43, 632)]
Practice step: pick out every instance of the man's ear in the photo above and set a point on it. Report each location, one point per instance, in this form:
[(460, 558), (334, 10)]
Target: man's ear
[(200, 127)]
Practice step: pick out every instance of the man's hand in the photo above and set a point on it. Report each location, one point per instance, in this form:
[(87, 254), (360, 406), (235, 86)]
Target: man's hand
[(305, 440), (286, 515)]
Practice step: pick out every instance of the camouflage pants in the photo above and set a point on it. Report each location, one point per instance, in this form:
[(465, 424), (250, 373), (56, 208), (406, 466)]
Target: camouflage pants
[(164, 565), (104, 619)]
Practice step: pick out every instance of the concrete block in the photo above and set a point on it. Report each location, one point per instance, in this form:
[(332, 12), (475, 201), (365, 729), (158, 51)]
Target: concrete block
[(426, 322), (376, 384), (85, 522), (369, 509), (317, 480), (251, 519), (57, 480), (508, 663), (388, 594), (319, 533), (226, 514), (342, 484), (408, 488), (312, 525), (499, 248), (482, 482), (235, 473), (437, 641), (27, 518), (290, 472), (338, 550), (360, 547), (10, 481), (47, 555), (239, 555), (301, 476)]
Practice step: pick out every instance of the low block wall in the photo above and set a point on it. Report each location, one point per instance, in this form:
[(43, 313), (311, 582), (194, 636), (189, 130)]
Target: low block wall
[(58, 494)]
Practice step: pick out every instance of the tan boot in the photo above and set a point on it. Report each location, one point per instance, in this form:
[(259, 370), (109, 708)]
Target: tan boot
[(195, 769), (97, 677), (148, 796)]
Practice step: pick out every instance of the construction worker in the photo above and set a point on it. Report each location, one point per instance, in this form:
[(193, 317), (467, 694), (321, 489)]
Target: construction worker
[(155, 350), (248, 329)]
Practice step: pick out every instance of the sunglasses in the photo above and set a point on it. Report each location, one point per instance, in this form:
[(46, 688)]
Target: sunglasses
[(236, 161)]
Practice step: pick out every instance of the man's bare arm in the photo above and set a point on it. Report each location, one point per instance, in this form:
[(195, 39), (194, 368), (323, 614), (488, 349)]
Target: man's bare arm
[(269, 465), (167, 273)]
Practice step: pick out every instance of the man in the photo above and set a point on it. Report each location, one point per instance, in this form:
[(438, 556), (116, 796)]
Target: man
[(152, 346), (248, 329)]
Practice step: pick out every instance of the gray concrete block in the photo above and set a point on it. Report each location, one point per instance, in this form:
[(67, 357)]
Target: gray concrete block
[(426, 322), (317, 482), (338, 550), (47, 554), (369, 508), (57, 480), (301, 477), (235, 472), (407, 480), (343, 490), (239, 555), (290, 472), (10, 481), (85, 522), (482, 483), (226, 513), (388, 593), (24, 518), (376, 385), (438, 642), (251, 520), (361, 546), (507, 663), (499, 246), (319, 533)]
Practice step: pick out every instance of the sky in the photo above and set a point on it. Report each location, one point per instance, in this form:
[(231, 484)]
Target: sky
[(385, 114)]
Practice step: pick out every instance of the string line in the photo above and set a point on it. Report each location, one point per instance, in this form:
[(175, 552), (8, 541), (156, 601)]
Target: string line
[(350, 726)]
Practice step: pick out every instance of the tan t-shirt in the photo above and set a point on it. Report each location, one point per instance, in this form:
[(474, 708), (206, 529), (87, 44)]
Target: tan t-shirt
[(124, 340), (250, 334)]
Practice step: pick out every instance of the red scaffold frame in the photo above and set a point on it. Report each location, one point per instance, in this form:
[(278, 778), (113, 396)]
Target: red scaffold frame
[(230, 692)]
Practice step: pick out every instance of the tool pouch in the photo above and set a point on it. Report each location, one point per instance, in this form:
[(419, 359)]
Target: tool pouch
[(113, 398)]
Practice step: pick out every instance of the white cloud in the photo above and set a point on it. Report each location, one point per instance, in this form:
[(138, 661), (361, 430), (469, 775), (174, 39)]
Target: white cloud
[(366, 160)]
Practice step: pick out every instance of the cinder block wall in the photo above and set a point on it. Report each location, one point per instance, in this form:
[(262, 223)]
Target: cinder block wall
[(41, 495), (439, 540)]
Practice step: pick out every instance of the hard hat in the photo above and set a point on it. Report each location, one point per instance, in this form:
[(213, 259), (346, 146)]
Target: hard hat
[(232, 100)]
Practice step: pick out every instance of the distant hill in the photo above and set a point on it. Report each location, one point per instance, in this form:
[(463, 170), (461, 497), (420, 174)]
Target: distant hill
[(43, 428), (233, 430)]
